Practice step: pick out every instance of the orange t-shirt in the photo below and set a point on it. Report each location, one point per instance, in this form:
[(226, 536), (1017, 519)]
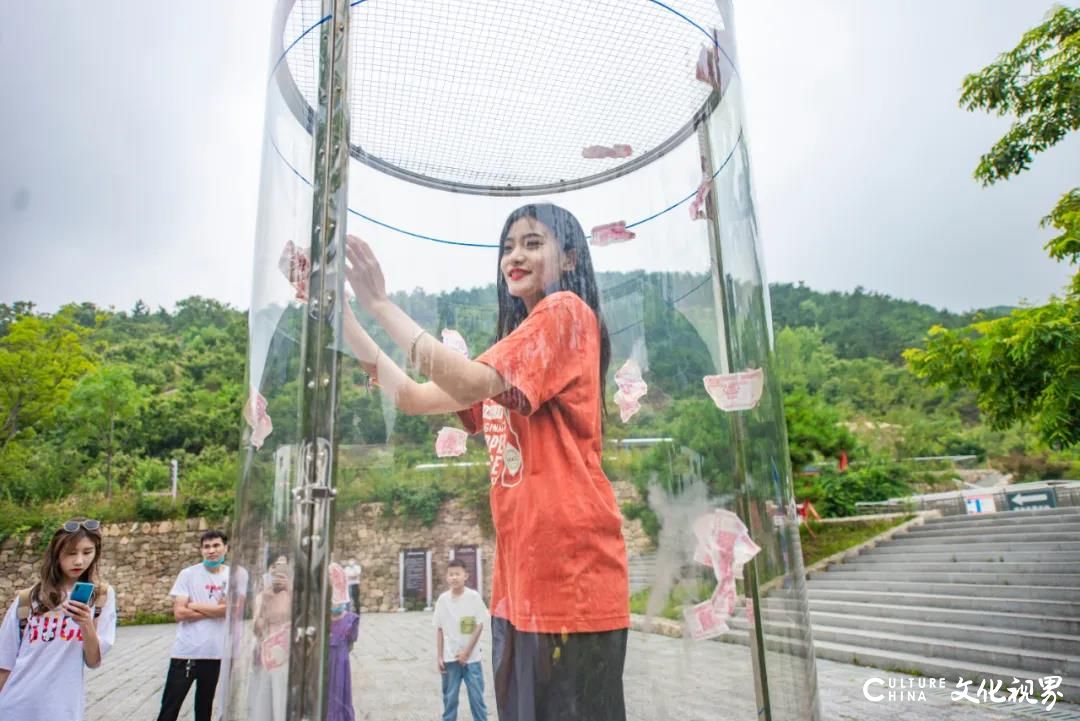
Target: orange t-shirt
[(560, 557)]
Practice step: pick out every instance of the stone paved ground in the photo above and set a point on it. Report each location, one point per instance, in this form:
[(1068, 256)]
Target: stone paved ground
[(395, 679)]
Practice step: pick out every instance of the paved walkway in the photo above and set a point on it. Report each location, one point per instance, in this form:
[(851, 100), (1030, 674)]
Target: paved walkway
[(395, 679)]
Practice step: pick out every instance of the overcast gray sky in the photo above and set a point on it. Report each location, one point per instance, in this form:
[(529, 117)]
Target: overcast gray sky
[(130, 138)]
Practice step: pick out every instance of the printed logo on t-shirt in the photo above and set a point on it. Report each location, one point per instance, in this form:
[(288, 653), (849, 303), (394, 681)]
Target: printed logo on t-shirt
[(503, 446), (467, 625), (52, 626), (215, 591)]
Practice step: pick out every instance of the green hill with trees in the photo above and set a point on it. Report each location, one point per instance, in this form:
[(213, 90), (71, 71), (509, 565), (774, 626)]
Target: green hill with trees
[(96, 402)]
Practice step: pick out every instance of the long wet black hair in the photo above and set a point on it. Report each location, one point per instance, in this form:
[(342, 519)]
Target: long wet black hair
[(580, 280)]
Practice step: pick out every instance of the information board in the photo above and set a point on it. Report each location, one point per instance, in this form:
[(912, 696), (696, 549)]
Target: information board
[(415, 575)]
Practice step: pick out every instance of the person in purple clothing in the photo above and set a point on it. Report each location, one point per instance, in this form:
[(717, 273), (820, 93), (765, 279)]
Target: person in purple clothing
[(344, 629)]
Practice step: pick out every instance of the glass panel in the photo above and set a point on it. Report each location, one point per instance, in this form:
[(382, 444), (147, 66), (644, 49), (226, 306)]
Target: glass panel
[(279, 617), (561, 190)]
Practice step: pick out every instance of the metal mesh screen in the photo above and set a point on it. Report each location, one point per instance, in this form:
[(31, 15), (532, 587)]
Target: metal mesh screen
[(506, 94)]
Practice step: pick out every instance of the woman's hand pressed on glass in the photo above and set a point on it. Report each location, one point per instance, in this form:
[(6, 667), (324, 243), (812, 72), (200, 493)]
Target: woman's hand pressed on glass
[(364, 273)]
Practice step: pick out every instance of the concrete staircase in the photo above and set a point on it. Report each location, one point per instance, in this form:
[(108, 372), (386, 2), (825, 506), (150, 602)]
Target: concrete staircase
[(983, 597), (642, 571)]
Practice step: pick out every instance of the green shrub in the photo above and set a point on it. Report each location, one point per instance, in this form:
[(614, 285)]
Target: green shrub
[(835, 493), (121, 507), (1033, 466), (417, 494), (687, 593), (211, 506), (151, 474), (156, 508), (475, 494), (214, 470), (32, 471), (821, 540), (650, 522), (142, 618), (421, 501)]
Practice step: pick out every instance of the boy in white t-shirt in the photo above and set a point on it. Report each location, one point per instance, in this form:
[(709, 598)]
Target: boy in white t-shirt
[(460, 615), (199, 607)]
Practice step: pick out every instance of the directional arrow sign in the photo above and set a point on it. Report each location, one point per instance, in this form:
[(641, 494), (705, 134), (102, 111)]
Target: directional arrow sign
[(1020, 498), (1027, 500)]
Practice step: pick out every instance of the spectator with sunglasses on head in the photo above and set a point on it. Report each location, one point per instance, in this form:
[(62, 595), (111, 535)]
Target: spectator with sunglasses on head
[(47, 638)]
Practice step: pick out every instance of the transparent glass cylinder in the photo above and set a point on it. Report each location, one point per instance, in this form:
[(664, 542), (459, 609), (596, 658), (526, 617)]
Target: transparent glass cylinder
[(420, 127)]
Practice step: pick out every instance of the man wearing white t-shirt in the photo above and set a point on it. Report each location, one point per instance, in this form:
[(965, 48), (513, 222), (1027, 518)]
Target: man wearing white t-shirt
[(352, 581), (460, 615), (199, 607)]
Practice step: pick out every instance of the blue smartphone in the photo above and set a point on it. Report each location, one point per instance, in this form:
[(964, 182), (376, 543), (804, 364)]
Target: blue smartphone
[(82, 592)]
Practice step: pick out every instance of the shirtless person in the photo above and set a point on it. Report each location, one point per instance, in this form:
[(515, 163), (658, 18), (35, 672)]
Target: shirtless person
[(273, 611)]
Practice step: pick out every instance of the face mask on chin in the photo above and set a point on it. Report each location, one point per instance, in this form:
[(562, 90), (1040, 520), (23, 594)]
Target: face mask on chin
[(213, 564)]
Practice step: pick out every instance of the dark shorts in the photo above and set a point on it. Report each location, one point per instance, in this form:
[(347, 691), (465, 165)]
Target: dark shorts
[(552, 677)]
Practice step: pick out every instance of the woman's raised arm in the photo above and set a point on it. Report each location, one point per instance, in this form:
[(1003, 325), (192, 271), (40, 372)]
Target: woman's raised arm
[(457, 381), (411, 397)]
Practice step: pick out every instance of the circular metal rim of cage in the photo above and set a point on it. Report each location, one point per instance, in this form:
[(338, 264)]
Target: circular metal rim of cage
[(305, 114)]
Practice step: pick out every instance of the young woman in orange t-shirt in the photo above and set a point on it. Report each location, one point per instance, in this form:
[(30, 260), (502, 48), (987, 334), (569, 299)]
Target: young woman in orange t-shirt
[(559, 601)]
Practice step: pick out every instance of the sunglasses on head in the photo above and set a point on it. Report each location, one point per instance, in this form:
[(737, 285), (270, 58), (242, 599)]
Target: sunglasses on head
[(89, 524)]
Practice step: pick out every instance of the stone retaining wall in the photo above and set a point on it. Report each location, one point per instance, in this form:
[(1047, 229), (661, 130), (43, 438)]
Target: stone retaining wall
[(141, 560)]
